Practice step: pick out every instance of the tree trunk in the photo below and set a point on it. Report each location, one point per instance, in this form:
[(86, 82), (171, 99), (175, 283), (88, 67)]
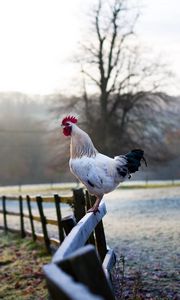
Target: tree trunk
[(104, 120)]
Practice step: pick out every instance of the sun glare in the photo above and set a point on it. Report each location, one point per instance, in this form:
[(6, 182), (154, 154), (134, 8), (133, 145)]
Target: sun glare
[(37, 40)]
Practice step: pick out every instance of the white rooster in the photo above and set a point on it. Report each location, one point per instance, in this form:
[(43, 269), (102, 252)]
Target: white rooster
[(99, 173)]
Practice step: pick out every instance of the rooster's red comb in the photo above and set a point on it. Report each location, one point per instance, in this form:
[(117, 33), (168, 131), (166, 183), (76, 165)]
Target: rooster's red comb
[(69, 119)]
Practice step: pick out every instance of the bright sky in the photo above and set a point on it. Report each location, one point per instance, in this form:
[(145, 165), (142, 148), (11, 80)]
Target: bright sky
[(39, 37)]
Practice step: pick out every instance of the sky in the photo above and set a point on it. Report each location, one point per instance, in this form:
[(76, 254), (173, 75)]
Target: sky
[(38, 39)]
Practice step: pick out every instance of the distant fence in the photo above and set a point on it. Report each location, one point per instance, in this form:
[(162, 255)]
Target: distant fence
[(79, 271), (64, 225)]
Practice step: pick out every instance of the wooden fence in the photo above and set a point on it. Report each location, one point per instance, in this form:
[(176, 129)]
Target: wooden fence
[(64, 225), (79, 271)]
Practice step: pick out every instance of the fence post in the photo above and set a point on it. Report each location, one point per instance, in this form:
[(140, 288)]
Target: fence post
[(100, 235), (31, 217), (79, 204), (57, 199), (4, 212), (68, 223), (43, 223), (23, 234), (91, 239)]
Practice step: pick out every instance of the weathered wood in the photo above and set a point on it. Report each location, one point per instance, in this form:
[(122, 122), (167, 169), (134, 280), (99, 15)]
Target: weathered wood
[(23, 234), (80, 233), (62, 286), (100, 235), (68, 223), (79, 204), (4, 212), (85, 266), (12, 198), (57, 200), (12, 213), (31, 217), (91, 239), (67, 199), (100, 240), (109, 262), (64, 199), (51, 222), (43, 223)]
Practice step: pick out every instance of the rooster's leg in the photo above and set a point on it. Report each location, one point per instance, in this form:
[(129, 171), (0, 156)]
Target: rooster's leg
[(95, 207)]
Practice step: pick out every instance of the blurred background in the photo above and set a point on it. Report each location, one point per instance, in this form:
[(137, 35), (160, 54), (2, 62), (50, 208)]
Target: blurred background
[(115, 63)]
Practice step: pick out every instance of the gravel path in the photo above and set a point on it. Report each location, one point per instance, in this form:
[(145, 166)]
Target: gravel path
[(144, 227)]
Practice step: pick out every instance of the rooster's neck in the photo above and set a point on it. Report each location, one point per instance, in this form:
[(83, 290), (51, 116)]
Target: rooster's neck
[(81, 144)]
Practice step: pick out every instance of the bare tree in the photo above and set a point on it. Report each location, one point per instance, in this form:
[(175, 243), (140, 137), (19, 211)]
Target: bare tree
[(123, 107)]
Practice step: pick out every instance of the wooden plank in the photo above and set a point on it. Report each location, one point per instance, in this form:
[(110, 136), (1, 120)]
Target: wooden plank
[(51, 222), (68, 223), (23, 234), (30, 217), (4, 212), (91, 239), (62, 286), (100, 240), (67, 200), (85, 266), (33, 199), (100, 235), (80, 233), (13, 198), (109, 262), (43, 223), (12, 213), (64, 199), (57, 200), (79, 204)]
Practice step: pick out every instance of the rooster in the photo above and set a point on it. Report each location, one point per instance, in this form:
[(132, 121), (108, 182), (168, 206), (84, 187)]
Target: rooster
[(98, 172)]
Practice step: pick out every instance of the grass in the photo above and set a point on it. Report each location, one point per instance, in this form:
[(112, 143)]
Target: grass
[(130, 281), (126, 285), (21, 275), (151, 185), (66, 188)]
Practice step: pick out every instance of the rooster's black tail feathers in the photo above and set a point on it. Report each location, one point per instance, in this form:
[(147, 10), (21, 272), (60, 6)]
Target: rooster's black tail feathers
[(134, 158)]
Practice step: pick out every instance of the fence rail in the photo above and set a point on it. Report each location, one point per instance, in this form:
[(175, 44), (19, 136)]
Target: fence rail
[(79, 266), (78, 271), (61, 223)]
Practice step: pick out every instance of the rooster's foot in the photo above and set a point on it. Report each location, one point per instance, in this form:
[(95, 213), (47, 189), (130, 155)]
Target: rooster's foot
[(93, 209)]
